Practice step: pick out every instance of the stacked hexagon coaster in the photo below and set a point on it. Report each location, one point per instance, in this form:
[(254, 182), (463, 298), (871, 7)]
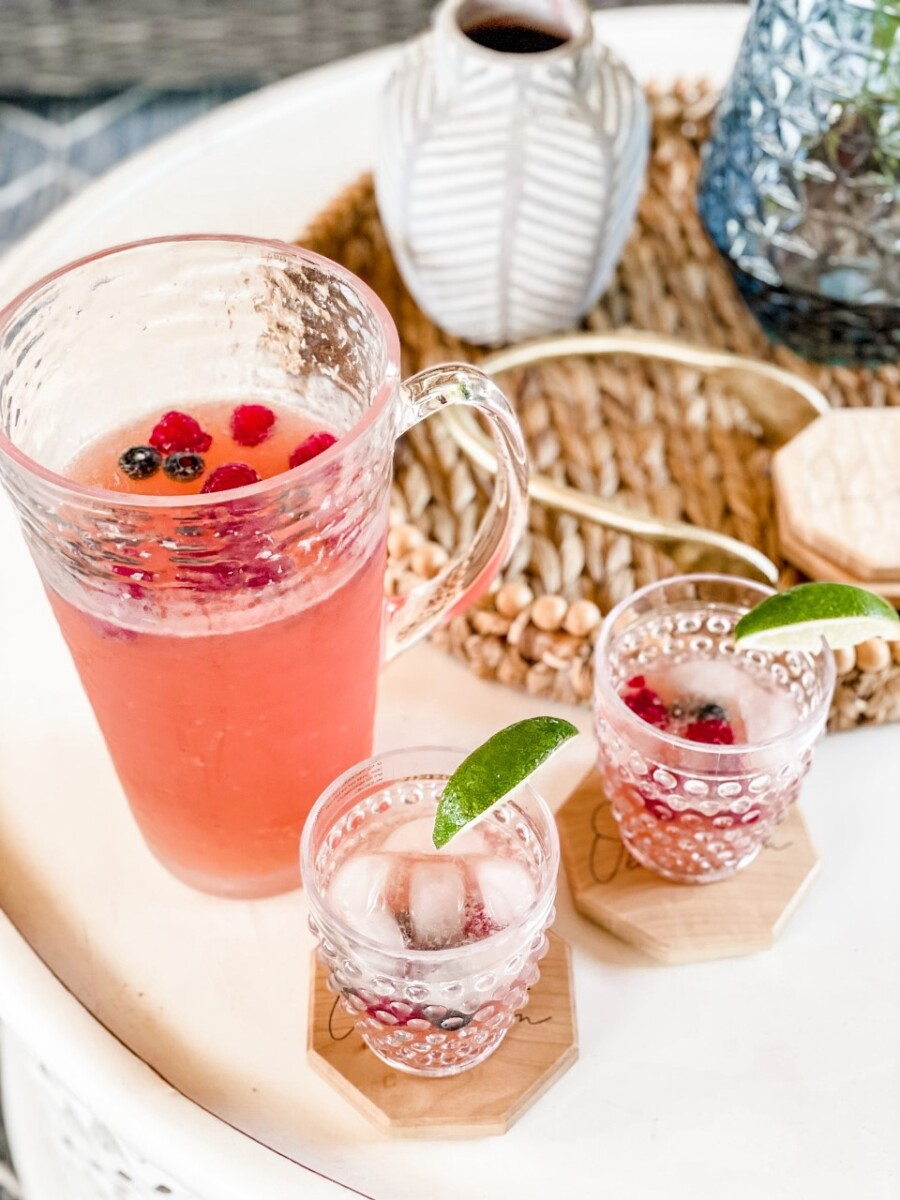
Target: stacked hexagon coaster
[(489, 1099), (676, 922), (837, 486)]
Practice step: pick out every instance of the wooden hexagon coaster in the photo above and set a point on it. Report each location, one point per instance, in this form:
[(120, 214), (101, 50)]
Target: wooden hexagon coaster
[(817, 566), (837, 497), (485, 1101), (676, 922)]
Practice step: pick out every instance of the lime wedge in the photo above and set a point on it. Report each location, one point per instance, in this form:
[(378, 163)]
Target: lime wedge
[(799, 618), (492, 771)]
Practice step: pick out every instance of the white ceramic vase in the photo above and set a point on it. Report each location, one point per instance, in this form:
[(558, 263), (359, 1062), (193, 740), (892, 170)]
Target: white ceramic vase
[(508, 182)]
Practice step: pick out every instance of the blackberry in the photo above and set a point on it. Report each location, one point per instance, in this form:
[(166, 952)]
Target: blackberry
[(140, 462), (712, 712), (184, 465)]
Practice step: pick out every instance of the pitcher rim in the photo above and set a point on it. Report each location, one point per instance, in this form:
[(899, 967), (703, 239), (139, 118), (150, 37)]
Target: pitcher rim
[(107, 496)]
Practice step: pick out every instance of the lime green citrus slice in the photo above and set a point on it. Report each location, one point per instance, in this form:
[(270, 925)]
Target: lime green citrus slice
[(800, 617), (492, 771)]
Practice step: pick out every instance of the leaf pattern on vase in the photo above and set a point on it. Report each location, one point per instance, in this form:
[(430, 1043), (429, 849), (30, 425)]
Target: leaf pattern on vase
[(508, 193)]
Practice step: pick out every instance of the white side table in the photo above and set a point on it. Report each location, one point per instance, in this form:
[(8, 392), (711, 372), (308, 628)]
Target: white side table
[(775, 1075)]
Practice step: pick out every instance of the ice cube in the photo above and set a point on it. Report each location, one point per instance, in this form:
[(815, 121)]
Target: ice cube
[(414, 837), (380, 927), (507, 889), (765, 713), (714, 680), (358, 887), (468, 842), (437, 902)]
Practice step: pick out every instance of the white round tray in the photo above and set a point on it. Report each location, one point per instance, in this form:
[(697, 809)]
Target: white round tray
[(175, 1024)]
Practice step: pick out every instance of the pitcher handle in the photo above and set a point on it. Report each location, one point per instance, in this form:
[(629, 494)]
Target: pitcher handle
[(467, 576)]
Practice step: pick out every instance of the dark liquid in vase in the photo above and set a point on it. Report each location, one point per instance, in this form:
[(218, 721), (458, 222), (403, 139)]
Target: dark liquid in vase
[(499, 33)]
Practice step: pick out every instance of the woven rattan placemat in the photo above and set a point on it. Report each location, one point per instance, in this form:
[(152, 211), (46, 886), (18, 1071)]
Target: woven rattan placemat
[(659, 437)]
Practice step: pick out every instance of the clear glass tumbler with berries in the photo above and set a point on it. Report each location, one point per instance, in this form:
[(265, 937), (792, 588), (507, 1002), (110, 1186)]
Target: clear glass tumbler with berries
[(432, 951), (702, 745)]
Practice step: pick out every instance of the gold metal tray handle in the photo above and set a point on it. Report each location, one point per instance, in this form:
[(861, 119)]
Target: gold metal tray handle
[(780, 403)]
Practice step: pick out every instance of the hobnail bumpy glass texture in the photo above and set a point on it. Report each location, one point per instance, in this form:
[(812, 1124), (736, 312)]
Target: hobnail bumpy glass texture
[(800, 188), (429, 1012), (435, 1028), (700, 814), (254, 319)]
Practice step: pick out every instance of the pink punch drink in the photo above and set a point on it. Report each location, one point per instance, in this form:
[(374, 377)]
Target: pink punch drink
[(228, 634), (703, 745)]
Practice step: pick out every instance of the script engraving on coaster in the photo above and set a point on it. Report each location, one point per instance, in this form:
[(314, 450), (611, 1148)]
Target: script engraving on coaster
[(483, 1102), (678, 922)]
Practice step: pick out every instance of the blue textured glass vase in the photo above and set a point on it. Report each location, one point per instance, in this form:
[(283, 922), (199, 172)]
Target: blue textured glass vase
[(800, 185)]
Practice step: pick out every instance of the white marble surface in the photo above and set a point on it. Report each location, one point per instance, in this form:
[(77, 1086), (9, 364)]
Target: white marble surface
[(775, 1075)]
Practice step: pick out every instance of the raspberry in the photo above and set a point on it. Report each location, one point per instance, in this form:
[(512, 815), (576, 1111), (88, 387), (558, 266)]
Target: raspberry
[(262, 573), (314, 445), (712, 732), (251, 424), (228, 476), (184, 465), (260, 565), (478, 924), (646, 704), (725, 820), (135, 574), (659, 809), (636, 681), (140, 462), (177, 431), (396, 1013), (115, 633)]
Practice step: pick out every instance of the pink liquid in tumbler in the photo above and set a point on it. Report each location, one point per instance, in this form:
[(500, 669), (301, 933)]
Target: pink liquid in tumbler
[(691, 822)]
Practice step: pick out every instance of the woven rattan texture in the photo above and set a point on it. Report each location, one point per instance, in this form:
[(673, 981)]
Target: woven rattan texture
[(74, 46), (658, 437)]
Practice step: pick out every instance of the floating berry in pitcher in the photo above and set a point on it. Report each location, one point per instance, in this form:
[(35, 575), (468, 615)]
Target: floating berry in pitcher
[(251, 424), (184, 466), (140, 462), (133, 572), (178, 431), (312, 447), (230, 475)]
